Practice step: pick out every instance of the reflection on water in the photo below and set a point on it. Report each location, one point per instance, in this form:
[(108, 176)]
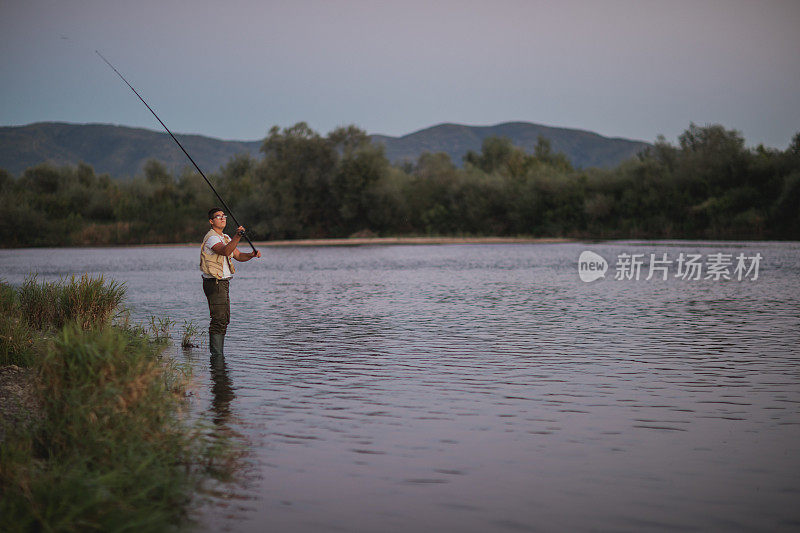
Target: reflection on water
[(221, 391), (486, 388)]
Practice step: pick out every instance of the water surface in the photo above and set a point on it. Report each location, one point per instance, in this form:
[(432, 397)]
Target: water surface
[(486, 388)]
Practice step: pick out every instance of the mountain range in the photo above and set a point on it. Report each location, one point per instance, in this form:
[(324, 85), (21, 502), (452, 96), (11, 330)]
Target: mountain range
[(121, 151), (583, 148)]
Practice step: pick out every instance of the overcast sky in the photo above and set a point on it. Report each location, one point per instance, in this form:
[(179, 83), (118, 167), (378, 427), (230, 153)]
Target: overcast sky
[(232, 69)]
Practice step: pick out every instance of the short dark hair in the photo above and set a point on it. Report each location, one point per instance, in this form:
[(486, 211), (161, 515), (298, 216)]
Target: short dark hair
[(212, 211)]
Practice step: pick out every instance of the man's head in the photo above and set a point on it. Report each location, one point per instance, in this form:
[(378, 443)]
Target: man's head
[(216, 217)]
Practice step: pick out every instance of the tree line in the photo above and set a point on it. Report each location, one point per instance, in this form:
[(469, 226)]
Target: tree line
[(305, 185)]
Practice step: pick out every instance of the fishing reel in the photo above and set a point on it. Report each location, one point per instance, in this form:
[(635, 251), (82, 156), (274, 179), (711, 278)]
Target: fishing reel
[(240, 232)]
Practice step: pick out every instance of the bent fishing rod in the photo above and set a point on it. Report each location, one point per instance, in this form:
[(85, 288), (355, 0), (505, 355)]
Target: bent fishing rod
[(228, 209)]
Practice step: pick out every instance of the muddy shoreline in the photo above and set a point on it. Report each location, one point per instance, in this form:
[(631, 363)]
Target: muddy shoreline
[(353, 241)]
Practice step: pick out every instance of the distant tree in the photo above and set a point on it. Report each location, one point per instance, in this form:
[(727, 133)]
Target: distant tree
[(156, 173), (714, 155), (543, 152), (429, 193), (348, 139), (794, 146), (237, 180), (499, 155), (785, 212), (296, 176), (359, 168), (6, 180), (495, 154), (42, 179), (430, 165)]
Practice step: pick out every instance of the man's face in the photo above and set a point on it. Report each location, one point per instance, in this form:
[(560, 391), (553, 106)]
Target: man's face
[(219, 220)]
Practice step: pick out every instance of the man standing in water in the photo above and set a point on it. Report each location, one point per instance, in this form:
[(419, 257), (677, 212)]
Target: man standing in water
[(217, 267)]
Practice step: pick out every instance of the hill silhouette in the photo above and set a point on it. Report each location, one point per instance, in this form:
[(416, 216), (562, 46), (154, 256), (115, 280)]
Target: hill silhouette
[(117, 150), (122, 151), (583, 148)]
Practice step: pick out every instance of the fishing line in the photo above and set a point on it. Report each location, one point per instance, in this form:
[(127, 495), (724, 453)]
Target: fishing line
[(228, 209)]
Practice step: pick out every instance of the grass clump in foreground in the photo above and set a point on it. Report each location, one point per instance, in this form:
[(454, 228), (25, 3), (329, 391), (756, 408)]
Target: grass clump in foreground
[(89, 302), (16, 337), (110, 449)]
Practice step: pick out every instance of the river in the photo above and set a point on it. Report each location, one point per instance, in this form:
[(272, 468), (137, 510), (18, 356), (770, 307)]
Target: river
[(478, 388)]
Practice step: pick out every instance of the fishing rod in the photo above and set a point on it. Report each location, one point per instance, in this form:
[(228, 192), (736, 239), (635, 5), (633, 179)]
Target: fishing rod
[(228, 209)]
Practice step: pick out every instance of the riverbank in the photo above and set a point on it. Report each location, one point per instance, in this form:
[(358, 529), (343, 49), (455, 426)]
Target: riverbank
[(358, 241), (378, 241), (94, 432), (411, 241)]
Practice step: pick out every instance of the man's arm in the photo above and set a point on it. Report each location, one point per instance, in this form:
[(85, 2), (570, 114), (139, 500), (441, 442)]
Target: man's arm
[(230, 248), (231, 251), (242, 256)]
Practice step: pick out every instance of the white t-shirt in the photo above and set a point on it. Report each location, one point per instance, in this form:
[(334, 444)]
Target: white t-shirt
[(214, 239)]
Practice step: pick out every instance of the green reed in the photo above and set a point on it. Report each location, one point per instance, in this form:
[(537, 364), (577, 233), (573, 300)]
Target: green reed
[(160, 329), (87, 301), (112, 448), (190, 332), (16, 337)]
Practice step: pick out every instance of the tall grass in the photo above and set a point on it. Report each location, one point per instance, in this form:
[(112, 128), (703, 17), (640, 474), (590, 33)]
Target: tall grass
[(113, 449), (16, 341), (113, 453), (16, 337), (89, 302)]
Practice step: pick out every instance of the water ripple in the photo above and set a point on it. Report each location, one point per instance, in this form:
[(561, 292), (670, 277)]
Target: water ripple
[(478, 388)]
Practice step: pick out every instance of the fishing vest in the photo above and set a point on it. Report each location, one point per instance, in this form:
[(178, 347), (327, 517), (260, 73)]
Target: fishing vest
[(211, 264)]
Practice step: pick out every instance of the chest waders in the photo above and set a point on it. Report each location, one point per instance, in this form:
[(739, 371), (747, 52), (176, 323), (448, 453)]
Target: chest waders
[(219, 307)]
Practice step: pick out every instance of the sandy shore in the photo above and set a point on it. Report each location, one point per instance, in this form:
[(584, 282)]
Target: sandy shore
[(369, 241), (409, 240)]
